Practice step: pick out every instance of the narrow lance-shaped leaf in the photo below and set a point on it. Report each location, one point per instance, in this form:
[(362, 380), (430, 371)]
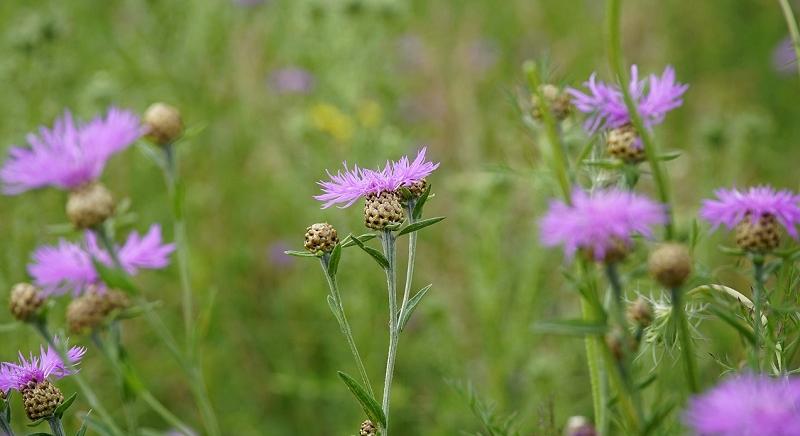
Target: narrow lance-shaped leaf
[(377, 255), (114, 278), (300, 253), (412, 303), (420, 204), (419, 225), (336, 312), (348, 241), (59, 412), (333, 261), (370, 406)]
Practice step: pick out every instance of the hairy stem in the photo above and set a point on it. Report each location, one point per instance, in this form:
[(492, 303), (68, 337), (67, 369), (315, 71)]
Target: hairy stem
[(791, 23), (758, 290), (685, 340), (55, 425), (344, 325), (388, 243)]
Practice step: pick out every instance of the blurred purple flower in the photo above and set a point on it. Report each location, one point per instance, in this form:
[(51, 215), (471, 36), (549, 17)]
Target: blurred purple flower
[(68, 267), (654, 97), (276, 254), (784, 57), (411, 52), (732, 206), (348, 186), (482, 55), (292, 80), (16, 375), (747, 405), (599, 221), (70, 154)]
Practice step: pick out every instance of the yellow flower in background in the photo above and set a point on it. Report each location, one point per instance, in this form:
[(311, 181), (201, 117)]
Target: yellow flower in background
[(327, 118), (370, 113)]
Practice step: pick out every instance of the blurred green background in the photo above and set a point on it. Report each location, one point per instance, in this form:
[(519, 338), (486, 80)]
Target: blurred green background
[(388, 77)]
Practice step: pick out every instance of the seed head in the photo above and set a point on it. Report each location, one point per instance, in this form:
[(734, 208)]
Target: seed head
[(89, 206), (163, 123), (670, 264), (640, 313), (624, 143), (90, 310), (368, 429), (382, 209), (25, 301), (557, 100), (41, 399), (321, 237), (761, 235)]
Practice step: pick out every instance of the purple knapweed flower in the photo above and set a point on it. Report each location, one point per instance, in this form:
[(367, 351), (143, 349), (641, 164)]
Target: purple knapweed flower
[(784, 57), (70, 154), (348, 186), (654, 97), (46, 366), (732, 206), (292, 80), (68, 267), (598, 222), (747, 405)]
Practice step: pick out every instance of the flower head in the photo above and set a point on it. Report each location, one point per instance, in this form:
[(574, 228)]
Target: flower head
[(348, 186), (747, 405), (654, 97), (732, 206), (47, 365), (69, 154), (69, 267), (292, 80), (600, 221)]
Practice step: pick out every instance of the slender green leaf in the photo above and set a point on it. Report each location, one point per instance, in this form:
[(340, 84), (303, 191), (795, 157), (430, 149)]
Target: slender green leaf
[(412, 303), (35, 423), (336, 312), (301, 253), (420, 225), (377, 255), (59, 412), (734, 322), (370, 406), (348, 242), (417, 212), (608, 164), (571, 327), (731, 250), (659, 415), (333, 262), (7, 411), (669, 155), (82, 430), (114, 278)]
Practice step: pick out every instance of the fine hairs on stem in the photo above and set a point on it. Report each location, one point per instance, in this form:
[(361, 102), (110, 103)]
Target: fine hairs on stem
[(388, 244)]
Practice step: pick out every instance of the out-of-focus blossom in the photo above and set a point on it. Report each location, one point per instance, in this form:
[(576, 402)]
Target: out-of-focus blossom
[(732, 206), (329, 119), (292, 80), (46, 366), (784, 57)]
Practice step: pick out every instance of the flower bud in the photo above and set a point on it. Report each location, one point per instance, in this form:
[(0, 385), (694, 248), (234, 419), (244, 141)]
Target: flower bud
[(418, 188), (25, 301), (41, 399), (320, 237), (163, 123), (640, 313), (624, 144), (579, 426), (670, 264), (620, 344), (90, 310), (557, 100), (89, 206), (382, 209), (760, 235), (368, 429)]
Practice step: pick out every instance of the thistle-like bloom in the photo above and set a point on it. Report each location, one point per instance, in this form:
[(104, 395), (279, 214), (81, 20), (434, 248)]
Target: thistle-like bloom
[(292, 80), (70, 154), (732, 207), (347, 187), (748, 405), (68, 267), (46, 366), (654, 97), (599, 222)]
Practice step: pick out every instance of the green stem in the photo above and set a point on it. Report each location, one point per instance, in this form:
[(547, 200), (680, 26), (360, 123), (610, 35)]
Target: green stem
[(593, 358), (125, 371), (55, 425), (388, 243), (614, 8), (685, 340), (5, 427), (412, 255), (344, 325), (84, 386), (758, 289), (791, 23)]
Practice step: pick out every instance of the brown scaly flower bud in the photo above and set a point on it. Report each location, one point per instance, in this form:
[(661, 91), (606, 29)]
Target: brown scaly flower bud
[(670, 264), (557, 100), (579, 426), (619, 344), (760, 236), (617, 252), (163, 123), (90, 310), (89, 206), (368, 429), (640, 313), (320, 237), (41, 399), (25, 301), (382, 209), (418, 188), (624, 144), (3, 396)]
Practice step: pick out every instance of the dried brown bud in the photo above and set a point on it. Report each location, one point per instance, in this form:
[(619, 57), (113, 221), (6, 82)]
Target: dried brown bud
[(320, 237), (368, 429), (640, 312), (41, 399), (163, 123), (557, 100), (383, 209), (670, 264), (25, 301), (89, 206), (624, 144), (90, 310), (760, 236)]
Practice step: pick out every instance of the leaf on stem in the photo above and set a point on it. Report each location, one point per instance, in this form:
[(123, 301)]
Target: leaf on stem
[(348, 242), (301, 253), (377, 255), (370, 406), (336, 312), (417, 212), (333, 262), (114, 278), (412, 303), (59, 412), (734, 322), (419, 225)]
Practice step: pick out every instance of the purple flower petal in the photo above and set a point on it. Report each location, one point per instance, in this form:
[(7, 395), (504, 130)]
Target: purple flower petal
[(731, 206)]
